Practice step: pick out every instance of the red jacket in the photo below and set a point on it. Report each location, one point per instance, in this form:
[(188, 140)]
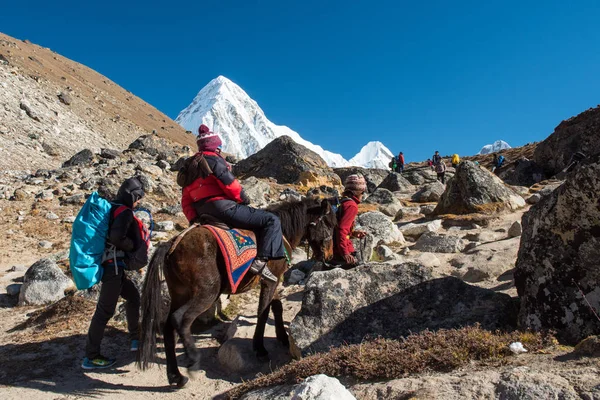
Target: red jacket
[(220, 185), (347, 216), (401, 158)]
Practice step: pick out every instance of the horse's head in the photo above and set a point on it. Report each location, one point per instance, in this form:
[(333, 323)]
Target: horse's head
[(319, 233)]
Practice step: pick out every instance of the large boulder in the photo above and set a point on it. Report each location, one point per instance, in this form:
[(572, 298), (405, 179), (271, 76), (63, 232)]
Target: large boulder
[(558, 259), (294, 163), (431, 192), (258, 191), (576, 134), (44, 282), (487, 261), (84, 157), (316, 387), (381, 227), (395, 182), (388, 202), (158, 147), (474, 190), (419, 175), (373, 176), (345, 307), (522, 172), (331, 297), (417, 229), (434, 243)]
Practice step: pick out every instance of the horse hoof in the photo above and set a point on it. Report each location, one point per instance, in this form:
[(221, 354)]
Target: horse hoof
[(178, 381)]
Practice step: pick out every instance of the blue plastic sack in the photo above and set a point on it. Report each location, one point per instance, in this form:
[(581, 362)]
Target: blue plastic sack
[(88, 241)]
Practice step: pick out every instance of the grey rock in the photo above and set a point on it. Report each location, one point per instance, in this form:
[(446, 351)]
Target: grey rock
[(65, 98), (45, 244), (420, 175), (258, 191), (25, 106), (431, 192), (294, 161), (385, 253), (84, 158), (290, 195), (390, 302), (164, 226), (515, 229), (534, 198), (51, 216), (69, 220), (13, 289), (44, 282), (76, 199), (110, 154), (172, 210), (434, 243), (381, 227), (524, 384), (395, 182), (474, 189), (326, 303), (427, 209), (389, 204), (162, 164), (416, 230), (558, 257)]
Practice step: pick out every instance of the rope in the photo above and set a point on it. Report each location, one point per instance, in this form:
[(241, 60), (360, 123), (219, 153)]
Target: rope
[(586, 300)]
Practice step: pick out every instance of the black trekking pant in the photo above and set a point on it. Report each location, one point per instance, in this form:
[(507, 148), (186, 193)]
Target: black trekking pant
[(264, 224), (441, 177), (114, 284)]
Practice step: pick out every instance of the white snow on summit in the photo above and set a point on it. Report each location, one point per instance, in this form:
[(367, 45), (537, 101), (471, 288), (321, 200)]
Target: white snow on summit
[(493, 148), (244, 129), (372, 155)]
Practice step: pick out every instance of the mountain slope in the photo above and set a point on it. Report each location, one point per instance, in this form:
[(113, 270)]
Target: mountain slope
[(372, 155), (38, 130), (228, 110), (493, 148)]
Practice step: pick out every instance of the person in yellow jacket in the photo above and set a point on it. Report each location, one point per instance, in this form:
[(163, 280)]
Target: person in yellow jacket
[(455, 160)]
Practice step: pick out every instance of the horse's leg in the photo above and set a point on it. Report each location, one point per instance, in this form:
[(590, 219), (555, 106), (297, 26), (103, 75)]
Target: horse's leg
[(267, 291), (282, 335), (173, 374), (185, 316)]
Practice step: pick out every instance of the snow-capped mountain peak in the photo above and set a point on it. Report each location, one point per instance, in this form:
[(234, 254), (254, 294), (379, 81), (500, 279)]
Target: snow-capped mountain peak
[(228, 110), (372, 155), (495, 147)]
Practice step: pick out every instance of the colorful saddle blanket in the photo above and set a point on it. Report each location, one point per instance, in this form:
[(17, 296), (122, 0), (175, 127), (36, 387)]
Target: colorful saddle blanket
[(239, 250)]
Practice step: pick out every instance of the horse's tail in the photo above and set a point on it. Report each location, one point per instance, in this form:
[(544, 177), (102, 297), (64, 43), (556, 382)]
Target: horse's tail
[(151, 307)]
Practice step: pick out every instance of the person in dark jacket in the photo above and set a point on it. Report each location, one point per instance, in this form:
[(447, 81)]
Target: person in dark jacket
[(127, 248), (221, 196), (344, 252), (436, 158)]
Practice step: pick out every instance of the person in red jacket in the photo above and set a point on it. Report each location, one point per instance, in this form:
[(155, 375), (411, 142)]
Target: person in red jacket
[(354, 187), (221, 196), (401, 162)]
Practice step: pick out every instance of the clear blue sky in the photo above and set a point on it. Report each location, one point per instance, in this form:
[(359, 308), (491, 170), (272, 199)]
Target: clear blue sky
[(419, 76)]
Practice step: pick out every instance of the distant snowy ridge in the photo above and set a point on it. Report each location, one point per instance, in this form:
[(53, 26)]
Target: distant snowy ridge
[(372, 155), (244, 129), (493, 148)]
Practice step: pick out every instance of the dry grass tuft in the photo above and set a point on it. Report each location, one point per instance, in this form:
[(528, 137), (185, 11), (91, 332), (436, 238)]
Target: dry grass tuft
[(72, 313), (443, 351), (364, 208)]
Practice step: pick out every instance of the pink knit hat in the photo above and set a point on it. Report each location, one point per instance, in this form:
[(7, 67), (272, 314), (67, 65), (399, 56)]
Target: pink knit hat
[(207, 140), (355, 183)]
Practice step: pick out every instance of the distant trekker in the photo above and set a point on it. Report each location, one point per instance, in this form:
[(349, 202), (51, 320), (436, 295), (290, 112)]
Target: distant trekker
[(440, 169), (401, 162), (393, 164), (498, 162), (455, 160), (436, 158)]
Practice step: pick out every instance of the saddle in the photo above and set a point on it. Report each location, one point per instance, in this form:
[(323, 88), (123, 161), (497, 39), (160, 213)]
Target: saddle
[(207, 219)]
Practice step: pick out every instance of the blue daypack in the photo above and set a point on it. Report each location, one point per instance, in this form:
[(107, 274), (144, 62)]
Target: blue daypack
[(88, 241), (500, 160)]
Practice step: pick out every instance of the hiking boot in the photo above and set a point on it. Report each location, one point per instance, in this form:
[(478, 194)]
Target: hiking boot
[(135, 345), (99, 362), (259, 267)]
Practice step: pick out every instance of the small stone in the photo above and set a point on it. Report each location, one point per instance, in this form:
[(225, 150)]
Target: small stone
[(385, 253), (20, 195), (69, 220), (534, 198), (158, 235), (44, 244), (65, 98), (51, 216), (405, 251), (29, 111), (75, 199), (164, 226), (47, 195), (162, 164), (296, 276), (109, 154), (515, 230), (14, 289)]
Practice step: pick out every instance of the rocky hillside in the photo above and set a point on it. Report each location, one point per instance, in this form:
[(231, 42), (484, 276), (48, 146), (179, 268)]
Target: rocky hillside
[(52, 107)]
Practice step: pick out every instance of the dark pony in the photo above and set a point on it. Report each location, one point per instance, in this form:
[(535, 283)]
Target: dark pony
[(195, 274)]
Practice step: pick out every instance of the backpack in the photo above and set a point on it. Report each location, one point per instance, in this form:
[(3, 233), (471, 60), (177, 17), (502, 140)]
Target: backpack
[(500, 160), (88, 240), (193, 167), (337, 207), (455, 159)]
